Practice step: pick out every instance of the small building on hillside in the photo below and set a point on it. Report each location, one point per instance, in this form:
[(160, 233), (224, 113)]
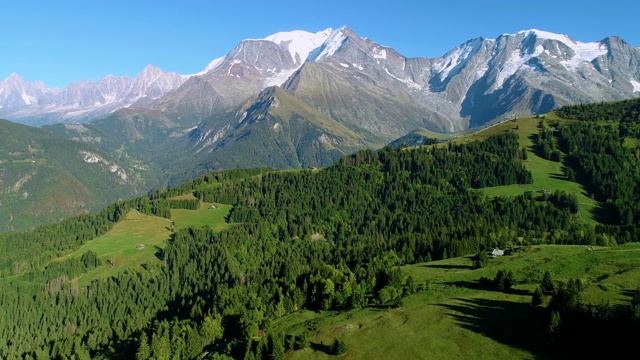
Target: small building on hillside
[(496, 252), (213, 207)]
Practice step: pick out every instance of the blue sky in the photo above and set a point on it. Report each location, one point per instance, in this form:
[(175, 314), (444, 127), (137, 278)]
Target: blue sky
[(62, 41)]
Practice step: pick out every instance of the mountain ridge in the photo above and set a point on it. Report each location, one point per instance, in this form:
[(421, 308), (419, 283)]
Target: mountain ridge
[(463, 88)]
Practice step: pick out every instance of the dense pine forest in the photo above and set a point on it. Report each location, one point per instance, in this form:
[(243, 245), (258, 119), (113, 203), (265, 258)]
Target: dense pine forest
[(317, 239)]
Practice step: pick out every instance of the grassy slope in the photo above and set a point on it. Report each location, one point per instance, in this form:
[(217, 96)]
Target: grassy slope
[(204, 216), (120, 245), (456, 320), (547, 175)]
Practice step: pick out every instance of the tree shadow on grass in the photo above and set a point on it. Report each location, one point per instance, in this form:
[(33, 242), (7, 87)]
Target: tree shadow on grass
[(321, 347), (159, 253), (481, 285), (629, 293), (439, 266), (514, 324), (605, 214)]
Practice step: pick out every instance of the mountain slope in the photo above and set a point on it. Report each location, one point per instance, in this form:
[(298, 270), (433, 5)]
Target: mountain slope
[(273, 129), (252, 66), (480, 81), (44, 177)]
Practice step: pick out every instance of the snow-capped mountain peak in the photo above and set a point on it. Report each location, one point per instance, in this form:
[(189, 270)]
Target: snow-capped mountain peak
[(330, 45), (569, 53), (456, 58), (150, 71), (545, 35), (300, 43)]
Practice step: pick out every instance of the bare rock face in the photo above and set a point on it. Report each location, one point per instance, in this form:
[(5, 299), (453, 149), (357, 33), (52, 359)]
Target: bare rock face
[(480, 81)]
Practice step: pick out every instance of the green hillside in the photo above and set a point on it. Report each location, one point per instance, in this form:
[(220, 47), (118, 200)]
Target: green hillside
[(209, 214), (45, 178), (548, 176), (134, 241), (454, 318), (384, 254)]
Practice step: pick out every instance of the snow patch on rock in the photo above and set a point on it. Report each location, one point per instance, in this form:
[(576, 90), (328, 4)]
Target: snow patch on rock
[(515, 62), (329, 47), (379, 53)]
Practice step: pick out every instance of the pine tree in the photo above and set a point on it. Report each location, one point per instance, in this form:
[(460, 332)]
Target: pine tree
[(193, 345), (480, 260), (338, 347), (160, 346), (428, 258), (211, 329), (144, 351), (554, 325), (537, 297), (498, 281), (546, 285)]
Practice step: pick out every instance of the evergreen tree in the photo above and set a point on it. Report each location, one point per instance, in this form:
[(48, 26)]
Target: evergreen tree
[(276, 344), (357, 299), (339, 347), (554, 325), (144, 350), (546, 285), (504, 280), (537, 297), (480, 260), (160, 346), (211, 329), (193, 344), (428, 258)]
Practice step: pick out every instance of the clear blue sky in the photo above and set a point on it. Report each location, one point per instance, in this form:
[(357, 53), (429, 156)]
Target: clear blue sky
[(62, 41)]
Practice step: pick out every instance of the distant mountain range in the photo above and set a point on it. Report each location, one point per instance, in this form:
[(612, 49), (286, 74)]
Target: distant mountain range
[(368, 87), (294, 99), (35, 104)]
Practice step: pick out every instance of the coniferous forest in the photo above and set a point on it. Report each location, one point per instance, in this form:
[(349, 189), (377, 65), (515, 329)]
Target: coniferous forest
[(317, 239)]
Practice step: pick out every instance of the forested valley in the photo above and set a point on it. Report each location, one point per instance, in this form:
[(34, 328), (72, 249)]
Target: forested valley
[(317, 239)]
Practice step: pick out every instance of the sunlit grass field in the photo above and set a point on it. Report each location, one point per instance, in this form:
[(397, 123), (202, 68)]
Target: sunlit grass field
[(456, 318)]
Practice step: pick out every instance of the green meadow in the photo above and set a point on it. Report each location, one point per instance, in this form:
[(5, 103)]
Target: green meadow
[(456, 318), (547, 175), (139, 238), (133, 241), (205, 216)]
